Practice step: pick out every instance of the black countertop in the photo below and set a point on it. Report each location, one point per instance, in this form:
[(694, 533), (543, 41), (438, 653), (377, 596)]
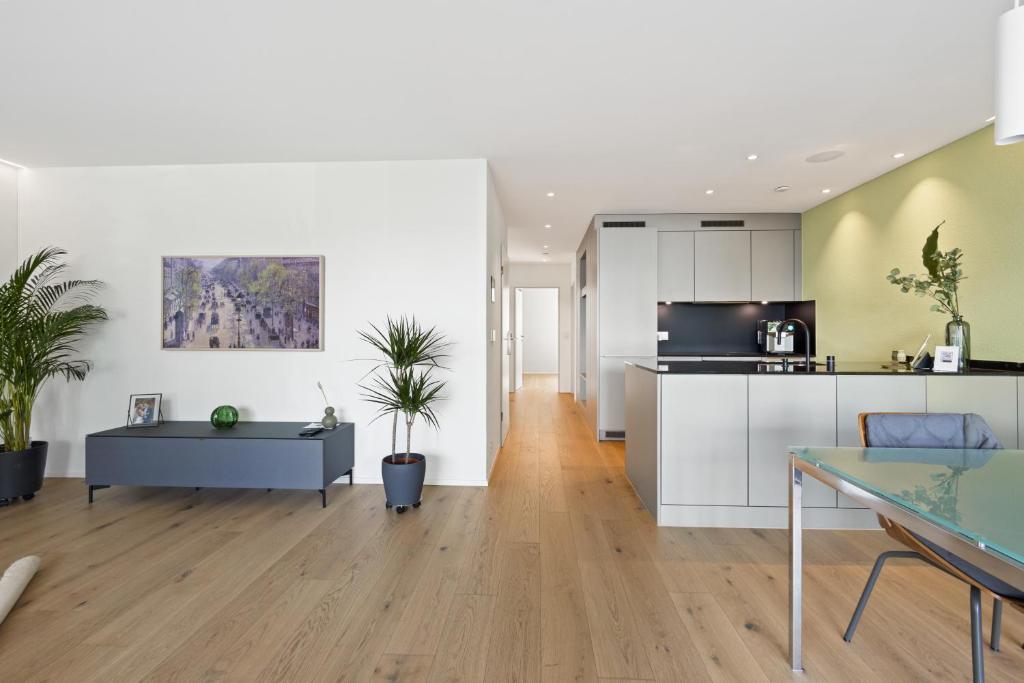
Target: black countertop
[(730, 367)]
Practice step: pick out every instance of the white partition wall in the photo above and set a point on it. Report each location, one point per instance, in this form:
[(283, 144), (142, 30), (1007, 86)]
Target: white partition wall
[(8, 220), (396, 237)]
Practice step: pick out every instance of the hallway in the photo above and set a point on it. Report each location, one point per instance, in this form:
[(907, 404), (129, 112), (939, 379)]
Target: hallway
[(552, 573)]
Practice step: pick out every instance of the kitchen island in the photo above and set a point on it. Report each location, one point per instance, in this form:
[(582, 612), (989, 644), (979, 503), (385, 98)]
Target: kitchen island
[(707, 442)]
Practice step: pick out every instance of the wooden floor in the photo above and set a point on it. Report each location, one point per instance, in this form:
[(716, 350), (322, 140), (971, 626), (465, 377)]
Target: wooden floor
[(554, 572)]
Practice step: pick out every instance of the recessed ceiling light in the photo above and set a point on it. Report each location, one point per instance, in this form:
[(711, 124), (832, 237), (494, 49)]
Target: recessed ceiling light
[(545, 246), (764, 302), (990, 119), (827, 190), (709, 191), (547, 226), (751, 157), (898, 155), (11, 163), (668, 303), (828, 155), (551, 194), (782, 188)]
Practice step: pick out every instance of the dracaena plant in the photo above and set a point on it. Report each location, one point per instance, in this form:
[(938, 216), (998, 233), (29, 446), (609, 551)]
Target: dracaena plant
[(943, 278), (41, 322), (402, 382)]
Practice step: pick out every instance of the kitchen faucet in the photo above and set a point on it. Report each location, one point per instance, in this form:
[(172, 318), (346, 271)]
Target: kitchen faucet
[(807, 338)]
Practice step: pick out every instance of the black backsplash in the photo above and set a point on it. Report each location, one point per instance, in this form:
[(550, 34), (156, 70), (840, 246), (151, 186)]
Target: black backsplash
[(727, 328)]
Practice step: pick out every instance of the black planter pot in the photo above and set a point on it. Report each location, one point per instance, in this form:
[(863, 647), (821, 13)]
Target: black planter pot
[(403, 480), (21, 472)]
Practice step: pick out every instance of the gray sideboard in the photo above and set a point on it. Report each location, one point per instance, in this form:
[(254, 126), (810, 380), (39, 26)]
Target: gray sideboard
[(268, 455)]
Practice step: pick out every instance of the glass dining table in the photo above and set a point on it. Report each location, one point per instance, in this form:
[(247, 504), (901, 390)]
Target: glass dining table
[(969, 502)]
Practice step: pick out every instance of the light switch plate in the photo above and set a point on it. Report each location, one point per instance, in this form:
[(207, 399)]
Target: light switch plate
[(662, 336)]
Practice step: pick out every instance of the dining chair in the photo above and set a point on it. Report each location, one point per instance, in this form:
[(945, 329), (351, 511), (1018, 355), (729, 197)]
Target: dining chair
[(937, 430)]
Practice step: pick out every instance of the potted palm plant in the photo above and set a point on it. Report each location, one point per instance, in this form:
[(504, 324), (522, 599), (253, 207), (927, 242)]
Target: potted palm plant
[(402, 385), (41, 322)]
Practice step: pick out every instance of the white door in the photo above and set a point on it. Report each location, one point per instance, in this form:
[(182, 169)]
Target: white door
[(506, 355), (518, 341)]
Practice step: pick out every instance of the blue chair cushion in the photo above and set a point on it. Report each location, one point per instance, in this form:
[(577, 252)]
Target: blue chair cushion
[(929, 430)]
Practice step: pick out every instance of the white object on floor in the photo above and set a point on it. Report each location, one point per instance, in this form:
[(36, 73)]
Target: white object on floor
[(14, 580)]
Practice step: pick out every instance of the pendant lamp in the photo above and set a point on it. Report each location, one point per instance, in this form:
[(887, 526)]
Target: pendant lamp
[(1010, 77)]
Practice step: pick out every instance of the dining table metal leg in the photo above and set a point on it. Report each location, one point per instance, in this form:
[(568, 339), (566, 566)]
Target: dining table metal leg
[(796, 479), (977, 649)]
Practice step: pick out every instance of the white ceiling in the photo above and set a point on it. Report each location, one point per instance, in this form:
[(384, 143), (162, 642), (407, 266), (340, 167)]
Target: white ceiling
[(617, 106)]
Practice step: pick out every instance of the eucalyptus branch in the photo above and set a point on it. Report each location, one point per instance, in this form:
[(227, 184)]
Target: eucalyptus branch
[(943, 278)]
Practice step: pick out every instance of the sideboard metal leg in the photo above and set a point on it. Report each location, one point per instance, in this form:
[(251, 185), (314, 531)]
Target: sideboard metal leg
[(323, 497), (96, 487), (350, 477)]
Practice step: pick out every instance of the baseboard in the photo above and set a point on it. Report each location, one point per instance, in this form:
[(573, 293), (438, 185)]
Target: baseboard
[(73, 474), (737, 517), (428, 482), (341, 480)]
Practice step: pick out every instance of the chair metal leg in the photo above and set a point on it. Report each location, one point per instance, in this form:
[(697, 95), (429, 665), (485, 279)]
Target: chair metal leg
[(997, 624), (977, 650), (870, 586)]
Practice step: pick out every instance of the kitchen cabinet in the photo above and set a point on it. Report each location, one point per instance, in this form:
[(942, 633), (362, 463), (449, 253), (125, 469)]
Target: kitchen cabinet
[(612, 408), (788, 411), (642, 424), (994, 398), (856, 394), (772, 265), (704, 444), (628, 290), (675, 266), (722, 265)]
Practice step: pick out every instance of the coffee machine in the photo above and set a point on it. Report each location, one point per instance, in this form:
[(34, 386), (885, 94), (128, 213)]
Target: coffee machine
[(769, 342)]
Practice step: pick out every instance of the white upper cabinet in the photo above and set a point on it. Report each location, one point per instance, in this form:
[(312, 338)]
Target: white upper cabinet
[(722, 265), (772, 266), (675, 266), (628, 284)]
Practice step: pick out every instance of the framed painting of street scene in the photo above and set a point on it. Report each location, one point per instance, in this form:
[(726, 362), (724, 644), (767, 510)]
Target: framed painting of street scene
[(220, 303)]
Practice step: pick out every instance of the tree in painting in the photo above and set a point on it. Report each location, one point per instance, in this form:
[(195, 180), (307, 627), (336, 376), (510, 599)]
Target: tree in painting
[(241, 302)]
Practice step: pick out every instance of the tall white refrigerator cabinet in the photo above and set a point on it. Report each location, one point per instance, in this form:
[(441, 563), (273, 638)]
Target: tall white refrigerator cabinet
[(627, 316)]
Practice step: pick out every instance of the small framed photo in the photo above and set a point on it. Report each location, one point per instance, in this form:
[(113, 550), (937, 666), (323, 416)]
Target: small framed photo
[(947, 359), (144, 410)]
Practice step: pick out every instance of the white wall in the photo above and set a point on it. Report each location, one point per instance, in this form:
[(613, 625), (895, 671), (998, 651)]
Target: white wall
[(497, 257), (8, 220), (552, 275), (540, 331), (397, 237)]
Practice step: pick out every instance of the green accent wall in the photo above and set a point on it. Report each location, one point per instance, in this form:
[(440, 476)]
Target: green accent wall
[(851, 242)]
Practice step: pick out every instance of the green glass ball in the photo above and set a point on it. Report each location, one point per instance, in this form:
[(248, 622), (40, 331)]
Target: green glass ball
[(224, 417)]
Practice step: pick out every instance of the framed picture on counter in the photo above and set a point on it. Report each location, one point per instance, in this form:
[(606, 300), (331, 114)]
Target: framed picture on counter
[(144, 410), (947, 359)]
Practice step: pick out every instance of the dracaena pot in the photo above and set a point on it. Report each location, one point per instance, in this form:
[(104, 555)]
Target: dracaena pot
[(403, 480)]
